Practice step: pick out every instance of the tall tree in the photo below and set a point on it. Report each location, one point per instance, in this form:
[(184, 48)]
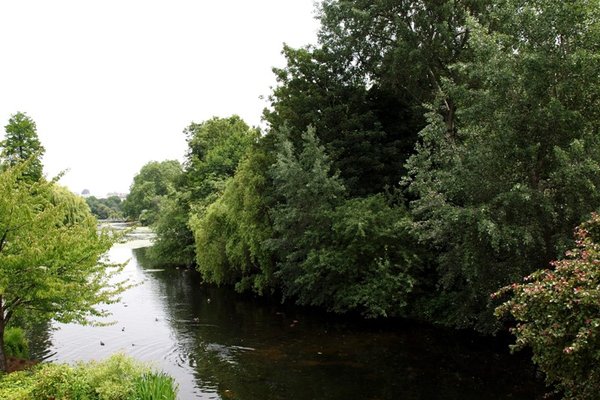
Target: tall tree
[(500, 195), (231, 236), (364, 84), (215, 148), (338, 253), (155, 181), (20, 143), (51, 253), (368, 130)]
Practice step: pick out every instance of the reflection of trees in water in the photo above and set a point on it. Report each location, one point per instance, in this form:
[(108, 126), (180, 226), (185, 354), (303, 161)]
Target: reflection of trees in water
[(248, 348), (39, 335)]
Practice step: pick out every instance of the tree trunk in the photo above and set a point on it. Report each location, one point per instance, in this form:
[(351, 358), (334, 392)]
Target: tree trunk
[(3, 363)]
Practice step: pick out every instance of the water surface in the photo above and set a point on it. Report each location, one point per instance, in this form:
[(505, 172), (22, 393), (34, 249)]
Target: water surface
[(220, 345)]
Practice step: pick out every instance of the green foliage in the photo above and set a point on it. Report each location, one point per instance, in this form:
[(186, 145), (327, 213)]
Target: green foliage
[(285, 223), (557, 314), (342, 254), (51, 253), (60, 382), (108, 208), (307, 195), (15, 343), (230, 236), (117, 378), (155, 386), (155, 181), (216, 147), (498, 191), (174, 243), (21, 143), (368, 130), (75, 207), (17, 386)]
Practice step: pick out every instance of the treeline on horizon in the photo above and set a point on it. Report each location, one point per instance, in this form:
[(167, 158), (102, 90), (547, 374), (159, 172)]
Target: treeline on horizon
[(421, 156)]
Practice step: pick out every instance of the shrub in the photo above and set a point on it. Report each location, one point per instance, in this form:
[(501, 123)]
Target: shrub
[(15, 343), (155, 386), (118, 378), (60, 381), (114, 378), (557, 313), (17, 386)]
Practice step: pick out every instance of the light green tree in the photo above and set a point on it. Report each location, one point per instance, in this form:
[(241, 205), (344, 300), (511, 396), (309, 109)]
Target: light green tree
[(21, 143), (51, 254), (231, 235), (155, 181), (216, 147)]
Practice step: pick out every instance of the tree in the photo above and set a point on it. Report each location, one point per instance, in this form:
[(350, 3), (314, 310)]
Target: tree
[(20, 144), (109, 208), (231, 236), (499, 194), (364, 85), (557, 315), (367, 130), (174, 243), (215, 148), (339, 253), (51, 254), (155, 181)]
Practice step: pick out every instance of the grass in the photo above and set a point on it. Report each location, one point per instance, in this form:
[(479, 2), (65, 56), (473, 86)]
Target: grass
[(155, 386), (117, 378)]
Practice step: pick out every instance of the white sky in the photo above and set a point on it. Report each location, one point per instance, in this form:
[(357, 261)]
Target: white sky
[(111, 84)]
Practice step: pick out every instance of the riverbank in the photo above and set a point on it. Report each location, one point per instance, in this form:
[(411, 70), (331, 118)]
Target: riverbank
[(117, 378), (221, 344)]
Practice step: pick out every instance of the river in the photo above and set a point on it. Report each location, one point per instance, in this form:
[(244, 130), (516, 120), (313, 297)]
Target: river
[(221, 345)]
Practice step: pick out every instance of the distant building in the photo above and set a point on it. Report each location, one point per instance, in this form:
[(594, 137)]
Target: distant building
[(85, 193), (122, 196)]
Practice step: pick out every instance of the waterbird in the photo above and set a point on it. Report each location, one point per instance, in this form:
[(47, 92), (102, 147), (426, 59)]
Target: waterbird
[(101, 343), (156, 319), (123, 329)]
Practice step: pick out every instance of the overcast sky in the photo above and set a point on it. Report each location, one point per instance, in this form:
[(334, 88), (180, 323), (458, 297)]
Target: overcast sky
[(111, 84)]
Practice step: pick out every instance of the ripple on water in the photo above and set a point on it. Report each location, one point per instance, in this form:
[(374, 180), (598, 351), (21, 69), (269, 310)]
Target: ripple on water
[(233, 348)]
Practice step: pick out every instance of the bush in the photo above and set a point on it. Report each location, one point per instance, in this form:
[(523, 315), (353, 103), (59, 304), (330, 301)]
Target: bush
[(118, 378), (155, 386), (17, 386), (15, 343), (557, 313)]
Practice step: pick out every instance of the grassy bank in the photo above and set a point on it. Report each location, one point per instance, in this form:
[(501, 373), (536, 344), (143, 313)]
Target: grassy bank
[(117, 378)]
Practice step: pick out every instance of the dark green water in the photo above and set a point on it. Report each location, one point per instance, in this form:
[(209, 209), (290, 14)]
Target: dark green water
[(220, 345)]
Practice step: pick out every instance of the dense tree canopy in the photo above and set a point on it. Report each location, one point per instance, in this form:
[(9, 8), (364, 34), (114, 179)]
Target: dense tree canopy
[(419, 156), (215, 148), (155, 181), (499, 196), (106, 208), (231, 236), (343, 254)]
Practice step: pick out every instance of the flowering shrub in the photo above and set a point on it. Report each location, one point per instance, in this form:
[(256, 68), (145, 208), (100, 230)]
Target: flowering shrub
[(557, 313)]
